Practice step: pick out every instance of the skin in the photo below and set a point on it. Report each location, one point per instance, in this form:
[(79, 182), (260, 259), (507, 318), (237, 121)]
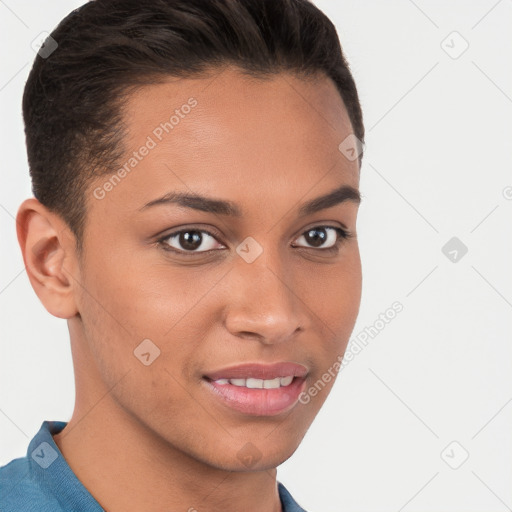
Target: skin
[(269, 146)]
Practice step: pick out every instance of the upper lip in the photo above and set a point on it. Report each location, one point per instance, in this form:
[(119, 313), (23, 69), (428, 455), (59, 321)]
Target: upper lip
[(259, 371)]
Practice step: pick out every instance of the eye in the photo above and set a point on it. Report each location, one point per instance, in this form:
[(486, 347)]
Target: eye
[(189, 241), (329, 235), (192, 241)]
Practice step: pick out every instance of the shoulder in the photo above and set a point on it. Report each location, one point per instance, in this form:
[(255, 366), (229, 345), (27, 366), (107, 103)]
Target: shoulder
[(42, 481), (288, 502), (19, 491)]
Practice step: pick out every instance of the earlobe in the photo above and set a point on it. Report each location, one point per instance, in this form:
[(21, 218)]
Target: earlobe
[(48, 253)]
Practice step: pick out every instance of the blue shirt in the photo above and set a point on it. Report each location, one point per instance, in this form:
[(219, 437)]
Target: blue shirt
[(42, 481)]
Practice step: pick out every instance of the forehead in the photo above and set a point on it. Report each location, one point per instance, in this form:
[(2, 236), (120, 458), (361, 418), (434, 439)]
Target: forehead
[(231, 106), (235, 136)]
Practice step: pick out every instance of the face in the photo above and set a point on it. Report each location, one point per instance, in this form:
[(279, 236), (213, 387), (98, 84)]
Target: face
[(176, 292)]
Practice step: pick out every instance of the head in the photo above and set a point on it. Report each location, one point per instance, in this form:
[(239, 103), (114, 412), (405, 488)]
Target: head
[(143, 107)]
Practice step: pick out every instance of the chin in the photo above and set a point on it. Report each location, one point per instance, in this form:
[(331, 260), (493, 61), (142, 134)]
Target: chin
[(259, 456)]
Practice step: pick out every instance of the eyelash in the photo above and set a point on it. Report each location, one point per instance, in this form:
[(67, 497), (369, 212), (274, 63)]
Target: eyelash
[(343, 235)]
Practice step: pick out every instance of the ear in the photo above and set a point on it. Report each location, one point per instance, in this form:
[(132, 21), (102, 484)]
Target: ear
[(48, 249)]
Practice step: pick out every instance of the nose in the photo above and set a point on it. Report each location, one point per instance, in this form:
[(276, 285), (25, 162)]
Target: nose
[(263, 302)]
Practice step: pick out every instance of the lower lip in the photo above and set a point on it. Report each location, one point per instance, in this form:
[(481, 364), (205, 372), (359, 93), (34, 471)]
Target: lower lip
[(258, 402)]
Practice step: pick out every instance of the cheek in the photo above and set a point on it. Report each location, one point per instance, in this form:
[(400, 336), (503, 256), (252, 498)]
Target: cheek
[(333, 293), (155, 298), (334, 299), (143, 370), (125, 302)]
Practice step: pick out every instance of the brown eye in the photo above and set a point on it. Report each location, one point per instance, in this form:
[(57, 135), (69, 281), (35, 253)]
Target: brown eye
[(324, 237), (316, 236), (189, 240)]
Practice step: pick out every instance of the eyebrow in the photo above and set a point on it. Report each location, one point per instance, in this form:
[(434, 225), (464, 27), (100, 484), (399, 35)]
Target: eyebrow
[(223, 207)]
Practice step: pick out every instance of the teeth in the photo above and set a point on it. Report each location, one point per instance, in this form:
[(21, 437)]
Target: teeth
[(286, 381), (258, 383), (254, 383), (272, 384)]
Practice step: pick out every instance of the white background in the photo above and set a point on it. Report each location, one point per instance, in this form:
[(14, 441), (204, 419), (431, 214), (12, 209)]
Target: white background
[(437, 165)]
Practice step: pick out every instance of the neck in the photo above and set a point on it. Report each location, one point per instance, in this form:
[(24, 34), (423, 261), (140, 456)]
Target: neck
[(110, 450)]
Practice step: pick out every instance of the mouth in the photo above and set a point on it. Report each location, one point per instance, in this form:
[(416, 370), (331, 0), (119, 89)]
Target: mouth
[(258, 389), (252, 383)]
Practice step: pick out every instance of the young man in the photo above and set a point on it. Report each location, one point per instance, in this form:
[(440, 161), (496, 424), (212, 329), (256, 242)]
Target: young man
[(195, 166)]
